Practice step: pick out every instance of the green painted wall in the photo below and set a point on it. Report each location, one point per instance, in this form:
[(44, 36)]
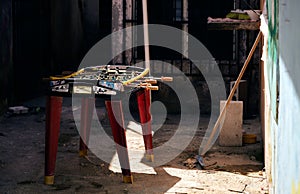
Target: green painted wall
[(288, 160), (284, 78)]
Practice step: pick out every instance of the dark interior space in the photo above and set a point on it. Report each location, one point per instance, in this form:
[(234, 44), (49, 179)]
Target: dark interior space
[(31, 47), (43, 38)]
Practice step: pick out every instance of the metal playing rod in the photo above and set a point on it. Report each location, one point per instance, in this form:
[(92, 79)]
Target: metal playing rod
[(258, 38)]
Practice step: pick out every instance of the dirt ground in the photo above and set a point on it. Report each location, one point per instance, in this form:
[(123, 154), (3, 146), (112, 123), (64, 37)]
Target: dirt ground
[(228, 169)]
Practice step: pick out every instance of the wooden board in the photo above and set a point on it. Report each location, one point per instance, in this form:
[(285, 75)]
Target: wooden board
[(234, 25)]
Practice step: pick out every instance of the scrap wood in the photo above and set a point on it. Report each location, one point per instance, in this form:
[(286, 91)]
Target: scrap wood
[(18, 109)]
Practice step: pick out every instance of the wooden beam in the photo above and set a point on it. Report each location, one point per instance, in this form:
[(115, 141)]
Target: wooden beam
[(146, 35), (234, 25)]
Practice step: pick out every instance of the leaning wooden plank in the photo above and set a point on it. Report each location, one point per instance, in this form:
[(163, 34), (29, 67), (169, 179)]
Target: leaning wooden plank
[(222, 113)]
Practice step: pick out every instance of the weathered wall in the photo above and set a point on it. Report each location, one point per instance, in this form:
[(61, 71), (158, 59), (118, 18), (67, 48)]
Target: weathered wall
[(283, 97), (288, 140)]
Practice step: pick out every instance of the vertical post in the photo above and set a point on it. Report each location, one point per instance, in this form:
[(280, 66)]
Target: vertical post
[(87, 108), (146, 35), (117, 24), (53, 113), (143, 99), (129, 34), (116, 119), (185, 37)]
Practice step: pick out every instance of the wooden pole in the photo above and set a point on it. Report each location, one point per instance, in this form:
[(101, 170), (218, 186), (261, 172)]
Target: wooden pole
[(146, 35), (258, 38)]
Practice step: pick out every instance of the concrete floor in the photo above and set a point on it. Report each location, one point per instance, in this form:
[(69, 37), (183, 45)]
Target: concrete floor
[(229, 169)]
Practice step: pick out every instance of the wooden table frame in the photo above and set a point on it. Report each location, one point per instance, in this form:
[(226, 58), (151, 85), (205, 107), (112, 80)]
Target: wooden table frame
[(116, 119)]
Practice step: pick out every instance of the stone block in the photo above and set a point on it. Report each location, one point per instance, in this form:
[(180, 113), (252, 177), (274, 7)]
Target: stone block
[(231, 131)]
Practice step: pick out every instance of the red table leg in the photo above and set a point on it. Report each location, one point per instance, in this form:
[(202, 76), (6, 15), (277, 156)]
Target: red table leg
[(87, 108), (53, 113), (143, 99), (115, 114)]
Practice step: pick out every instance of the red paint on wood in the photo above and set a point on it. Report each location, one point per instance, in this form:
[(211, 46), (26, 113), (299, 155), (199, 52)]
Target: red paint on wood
[(53, 113), (87, 108), (115, 115), (144, 100)]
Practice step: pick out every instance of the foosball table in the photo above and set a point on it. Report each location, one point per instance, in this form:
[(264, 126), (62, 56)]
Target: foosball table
[(100, 82)]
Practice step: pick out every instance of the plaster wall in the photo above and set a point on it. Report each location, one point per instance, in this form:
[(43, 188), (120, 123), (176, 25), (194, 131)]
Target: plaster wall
[(287, 161)]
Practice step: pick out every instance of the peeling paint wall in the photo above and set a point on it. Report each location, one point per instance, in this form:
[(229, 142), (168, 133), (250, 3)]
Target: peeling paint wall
[(283, 97), (288, 143), (271, 81)]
